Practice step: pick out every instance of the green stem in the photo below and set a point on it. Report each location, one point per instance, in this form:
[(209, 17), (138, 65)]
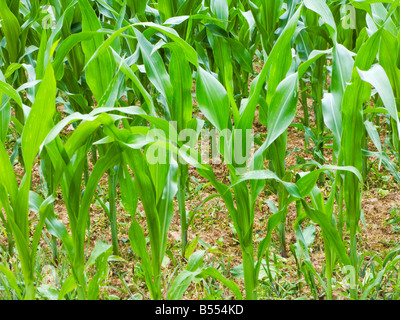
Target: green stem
[(282, 195), (328, 272), (250, 282), (306, 120), (365, 158), (54, 250), (94, 155), (183, 173), (282, 238), (354, 263), (156, 295), (113, 211), (329, 295), (340, 203), (81, 293), (30, 291)]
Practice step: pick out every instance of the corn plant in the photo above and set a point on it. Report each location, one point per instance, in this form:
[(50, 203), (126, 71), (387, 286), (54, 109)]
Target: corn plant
[(114, 95), (15, 198)]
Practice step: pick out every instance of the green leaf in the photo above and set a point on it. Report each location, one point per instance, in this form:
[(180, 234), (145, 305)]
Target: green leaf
[(11, 92), (128, 192), (7, 178), (40, 120), (103, 64), (181, 81), (281, 113), (190, 53), (374, 135), (277, 65), (377, 77), (267, 175), (11, 280), (68, 285), (220, 9), (191, 247), (57, 229), (11, 29), (213, 99), (215, 274), (333, 119), (155, 68), (330, 232), (323, 10), (100, 248)]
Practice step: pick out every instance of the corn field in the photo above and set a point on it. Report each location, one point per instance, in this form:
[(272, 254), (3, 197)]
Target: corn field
[(199, 149)]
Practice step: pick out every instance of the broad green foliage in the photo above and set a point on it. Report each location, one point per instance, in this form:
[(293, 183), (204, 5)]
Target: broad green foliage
[(117, 95)]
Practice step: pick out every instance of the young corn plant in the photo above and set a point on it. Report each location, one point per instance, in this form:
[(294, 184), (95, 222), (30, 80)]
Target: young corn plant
[(214, 103), (15, 198), (68, 161)]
